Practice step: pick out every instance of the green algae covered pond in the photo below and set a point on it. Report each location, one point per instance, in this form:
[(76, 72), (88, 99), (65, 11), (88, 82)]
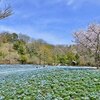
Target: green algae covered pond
[(50, 83)]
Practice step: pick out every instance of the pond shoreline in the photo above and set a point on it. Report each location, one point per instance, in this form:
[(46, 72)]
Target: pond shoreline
[(10, 69)]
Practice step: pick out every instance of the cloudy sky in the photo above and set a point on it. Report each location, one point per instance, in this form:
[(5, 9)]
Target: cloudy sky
[(51, 20)]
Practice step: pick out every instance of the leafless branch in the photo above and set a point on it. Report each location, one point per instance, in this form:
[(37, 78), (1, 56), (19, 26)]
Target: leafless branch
[(7, 11)]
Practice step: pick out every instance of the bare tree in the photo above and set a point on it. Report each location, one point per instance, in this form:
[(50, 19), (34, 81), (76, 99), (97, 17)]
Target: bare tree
[(90, 40), (5, 12)]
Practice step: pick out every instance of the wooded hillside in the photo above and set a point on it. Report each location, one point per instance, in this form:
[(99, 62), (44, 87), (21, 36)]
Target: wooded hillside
[(22, 49)]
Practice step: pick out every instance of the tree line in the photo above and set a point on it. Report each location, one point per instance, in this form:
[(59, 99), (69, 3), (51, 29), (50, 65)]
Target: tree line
[(22, 49)]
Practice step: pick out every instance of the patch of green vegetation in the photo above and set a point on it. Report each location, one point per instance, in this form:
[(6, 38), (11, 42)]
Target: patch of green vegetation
[(51, 84)]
